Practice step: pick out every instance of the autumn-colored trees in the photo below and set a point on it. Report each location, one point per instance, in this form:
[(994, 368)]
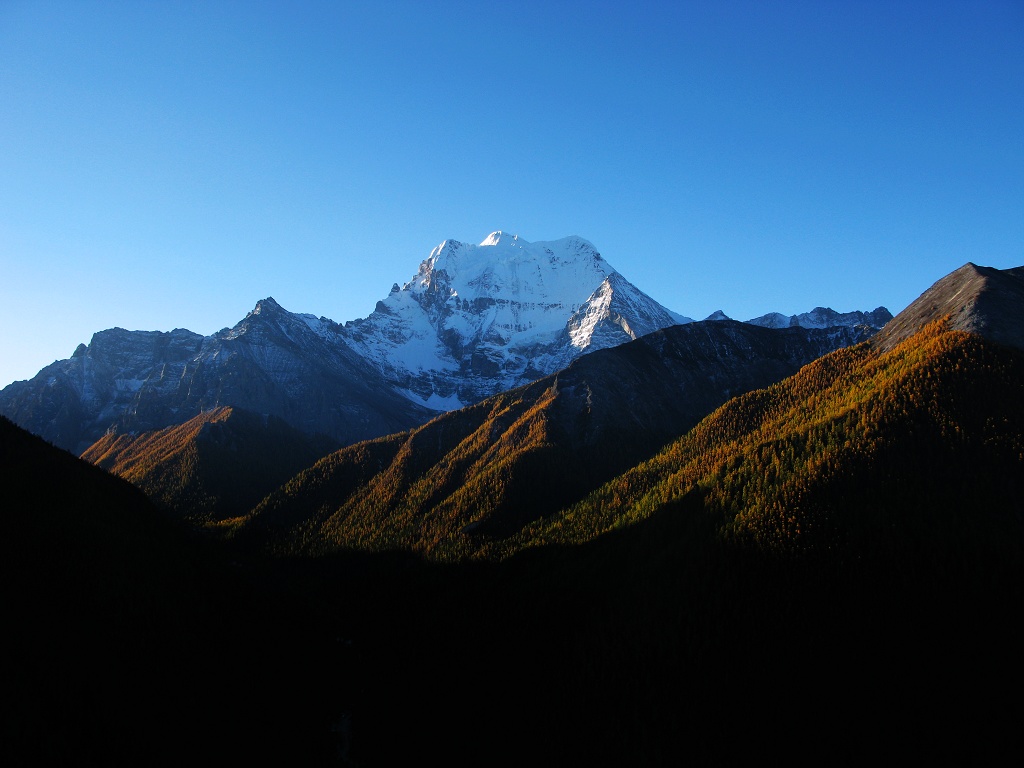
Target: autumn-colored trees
[(850, 454), (858, 450)]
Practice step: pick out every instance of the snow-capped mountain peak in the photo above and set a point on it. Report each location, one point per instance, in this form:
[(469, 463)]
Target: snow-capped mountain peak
[(478, 319), (505, 262)]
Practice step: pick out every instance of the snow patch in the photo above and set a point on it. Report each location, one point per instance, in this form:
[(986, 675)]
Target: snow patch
[(435, 401)]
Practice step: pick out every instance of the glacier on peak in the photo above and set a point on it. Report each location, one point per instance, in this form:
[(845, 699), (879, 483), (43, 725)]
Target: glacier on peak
[(509, 262)]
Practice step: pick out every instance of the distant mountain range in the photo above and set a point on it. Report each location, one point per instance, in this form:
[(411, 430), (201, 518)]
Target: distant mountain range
[(474, 321), (272, 362), (823, 317)]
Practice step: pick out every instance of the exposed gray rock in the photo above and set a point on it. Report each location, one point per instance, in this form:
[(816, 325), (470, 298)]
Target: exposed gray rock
[(982, 300)]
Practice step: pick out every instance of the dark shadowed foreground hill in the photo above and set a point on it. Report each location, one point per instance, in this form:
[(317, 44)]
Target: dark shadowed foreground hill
[(130, 643), (815, 570)]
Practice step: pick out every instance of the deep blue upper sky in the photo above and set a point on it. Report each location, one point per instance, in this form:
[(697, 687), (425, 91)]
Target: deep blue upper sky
[(169, 164)]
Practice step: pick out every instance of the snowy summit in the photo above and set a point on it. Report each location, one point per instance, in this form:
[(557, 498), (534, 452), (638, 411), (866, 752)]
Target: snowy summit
[(478, 319)]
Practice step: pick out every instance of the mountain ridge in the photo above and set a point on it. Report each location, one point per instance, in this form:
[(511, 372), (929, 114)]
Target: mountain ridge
[(824, 317), (491, 470), (272, 361), (473, 321)]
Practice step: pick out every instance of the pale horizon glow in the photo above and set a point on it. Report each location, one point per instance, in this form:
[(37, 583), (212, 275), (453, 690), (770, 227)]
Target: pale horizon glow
[(168, 165)]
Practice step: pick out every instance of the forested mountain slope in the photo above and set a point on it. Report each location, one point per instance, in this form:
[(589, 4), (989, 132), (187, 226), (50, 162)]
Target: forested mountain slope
[(479, 474), (863, 455), (215, 466)]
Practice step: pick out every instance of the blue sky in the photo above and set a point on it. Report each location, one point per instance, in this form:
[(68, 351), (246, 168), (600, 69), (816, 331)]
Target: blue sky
[(168, 164)]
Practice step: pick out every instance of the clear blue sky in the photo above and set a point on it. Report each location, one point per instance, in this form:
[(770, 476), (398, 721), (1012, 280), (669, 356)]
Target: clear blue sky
[(168, 164)]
